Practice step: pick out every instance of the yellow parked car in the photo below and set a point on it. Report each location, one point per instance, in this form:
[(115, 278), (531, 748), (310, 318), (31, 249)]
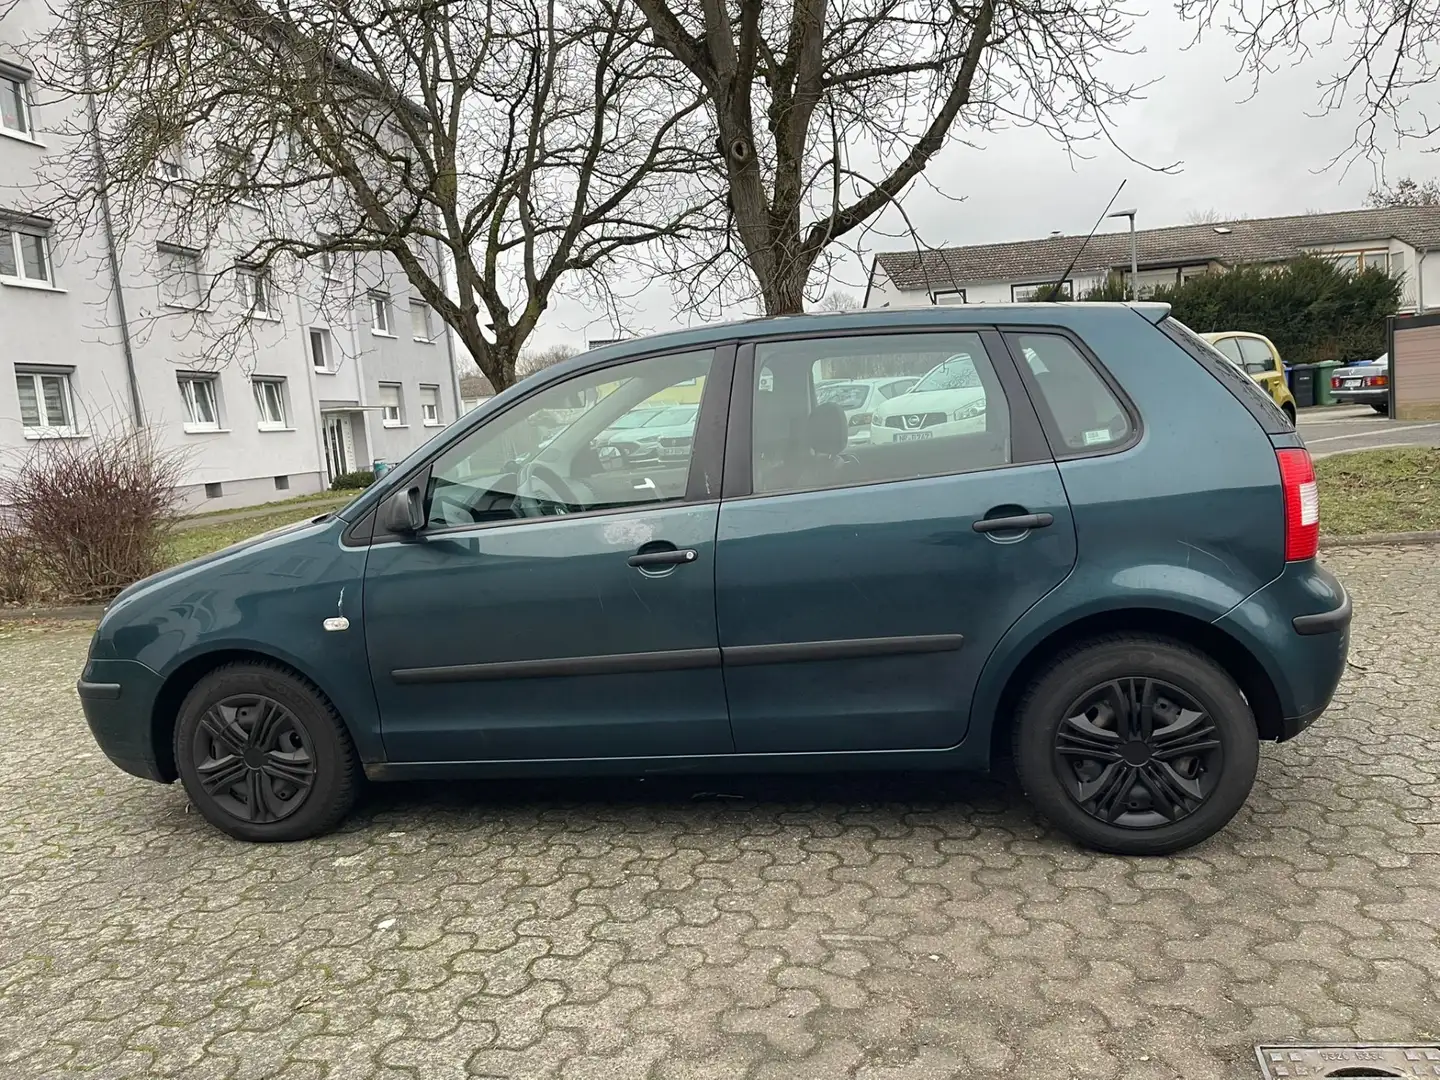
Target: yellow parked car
[(1257, 356)]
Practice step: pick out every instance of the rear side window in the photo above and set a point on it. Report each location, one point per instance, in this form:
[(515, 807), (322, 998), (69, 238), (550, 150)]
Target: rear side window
[(1257, 356), (1230, 347), (1087, 415), (1246, 390)]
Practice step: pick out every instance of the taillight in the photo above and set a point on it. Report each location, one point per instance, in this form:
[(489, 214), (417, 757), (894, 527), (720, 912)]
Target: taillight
[(1302, 504), (1377, 380)]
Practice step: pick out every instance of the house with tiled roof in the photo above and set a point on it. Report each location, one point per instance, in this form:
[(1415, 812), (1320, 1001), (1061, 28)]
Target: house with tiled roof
[(1404, 241)]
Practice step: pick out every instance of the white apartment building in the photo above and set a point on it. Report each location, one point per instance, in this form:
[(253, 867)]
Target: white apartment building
[(331, 371), (1402, 240)]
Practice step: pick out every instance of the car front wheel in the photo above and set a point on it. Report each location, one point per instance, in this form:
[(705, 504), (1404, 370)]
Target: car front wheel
[(263, 754), (1136, 745)]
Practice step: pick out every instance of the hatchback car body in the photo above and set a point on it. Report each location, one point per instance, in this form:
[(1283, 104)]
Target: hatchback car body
[(1258, 357), (1068, 579), (1364, 384)]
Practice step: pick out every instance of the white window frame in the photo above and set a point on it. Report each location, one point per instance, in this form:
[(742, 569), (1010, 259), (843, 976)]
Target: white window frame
[(21, 82), (327, 347), (251, 297), (392, 416), (170, 275), (10, 234), (241, 168), (430, 410), (429, 335), (1067, 290), (330, 266), (948, 297), (188, 394), (46, 429), (266, 422), (380, 313)]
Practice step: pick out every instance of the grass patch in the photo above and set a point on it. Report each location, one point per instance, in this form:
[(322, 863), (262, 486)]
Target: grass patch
[(323, 499), (1379, 491), (190, 544)]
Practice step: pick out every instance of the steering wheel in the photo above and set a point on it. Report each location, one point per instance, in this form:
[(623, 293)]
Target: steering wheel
[(539, 487)]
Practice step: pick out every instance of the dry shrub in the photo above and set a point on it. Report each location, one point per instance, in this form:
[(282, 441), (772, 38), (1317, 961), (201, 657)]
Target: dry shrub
[(16, 575), (94, 514)]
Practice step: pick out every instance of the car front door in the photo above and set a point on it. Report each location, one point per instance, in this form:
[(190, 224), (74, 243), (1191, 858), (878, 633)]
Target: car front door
[(861, 588), (549, 597)]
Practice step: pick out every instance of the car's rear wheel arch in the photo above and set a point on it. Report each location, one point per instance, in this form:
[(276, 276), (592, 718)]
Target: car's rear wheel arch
[(184, 678), (1238, 662)]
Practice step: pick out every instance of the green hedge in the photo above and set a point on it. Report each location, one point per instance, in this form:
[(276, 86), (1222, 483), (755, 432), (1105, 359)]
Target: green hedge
[(353, 481), (1310, 308)]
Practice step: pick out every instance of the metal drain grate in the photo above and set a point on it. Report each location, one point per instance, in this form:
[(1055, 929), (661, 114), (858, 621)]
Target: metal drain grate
[(1349, 1059)]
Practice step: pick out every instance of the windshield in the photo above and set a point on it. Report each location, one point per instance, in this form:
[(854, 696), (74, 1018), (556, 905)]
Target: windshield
[(638, 418), (846, 395), (957, 373), (671, 417)]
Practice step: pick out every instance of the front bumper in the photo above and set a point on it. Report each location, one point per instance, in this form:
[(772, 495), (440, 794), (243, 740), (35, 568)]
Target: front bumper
[(1298, 627), (118, 697)]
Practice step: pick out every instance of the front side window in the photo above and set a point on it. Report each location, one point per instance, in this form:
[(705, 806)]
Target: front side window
[(45, 402), (1257, 356), (180, 277), (257, 293), (380, 312), (15, 105), (24, 255), (270, 402), (430, 406), (806, 435), (1229, 348), (198, 394), (611, 439), (1087, 414), (390, 414)]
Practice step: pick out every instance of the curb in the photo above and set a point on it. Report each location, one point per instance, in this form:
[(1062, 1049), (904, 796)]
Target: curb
[(1380, 539), (86, 612)]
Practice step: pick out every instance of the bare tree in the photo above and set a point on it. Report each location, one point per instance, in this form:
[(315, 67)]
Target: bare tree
[(1389, 73), (501, 153), (1405, 192), (839, 301), (826, 110)]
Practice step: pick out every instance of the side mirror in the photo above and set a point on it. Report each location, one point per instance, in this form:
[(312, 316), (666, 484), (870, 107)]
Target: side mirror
[(404, 512)]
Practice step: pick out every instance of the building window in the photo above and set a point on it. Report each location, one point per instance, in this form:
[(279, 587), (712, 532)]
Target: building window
[(282, 483), (380, 312), (24, 255), (257, 293), (201, 408), (1021, 294), (430, 405), (390, 414), (241, 170), (15, 105), (214, 491), (46, 406), (945, 297), (329, 265), (170, 167), (270, 403), (180, 277), (420, 321), (322, 349)]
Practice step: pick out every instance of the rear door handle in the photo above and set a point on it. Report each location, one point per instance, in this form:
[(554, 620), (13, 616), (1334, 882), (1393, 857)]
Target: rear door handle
[(1013, 524), (664, 558)]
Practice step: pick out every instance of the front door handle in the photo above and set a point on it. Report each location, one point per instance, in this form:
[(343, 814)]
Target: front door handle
[(671, 557), (1014, 523)]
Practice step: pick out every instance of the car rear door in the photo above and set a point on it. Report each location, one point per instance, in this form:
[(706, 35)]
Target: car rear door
[(860, 590)]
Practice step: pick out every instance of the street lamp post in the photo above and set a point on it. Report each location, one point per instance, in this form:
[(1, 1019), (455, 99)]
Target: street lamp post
[(1134, 262)]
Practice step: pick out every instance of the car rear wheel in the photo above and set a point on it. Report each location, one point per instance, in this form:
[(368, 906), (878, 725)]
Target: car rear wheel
[(263, 755), (1137, 745)]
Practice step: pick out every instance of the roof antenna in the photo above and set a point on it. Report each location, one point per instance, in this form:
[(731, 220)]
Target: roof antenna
[(1055, 289)]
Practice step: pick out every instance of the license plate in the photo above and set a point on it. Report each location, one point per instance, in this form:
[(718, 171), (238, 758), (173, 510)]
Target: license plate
[(911, 436), (674, 451), (1350, 382)]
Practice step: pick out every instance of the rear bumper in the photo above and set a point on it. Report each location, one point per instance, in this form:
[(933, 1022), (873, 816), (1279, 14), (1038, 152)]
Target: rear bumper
[(118, 697), (1363, 397), (1298, 626)]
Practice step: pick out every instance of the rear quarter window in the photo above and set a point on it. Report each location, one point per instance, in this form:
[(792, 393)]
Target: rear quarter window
[(1245, 389), (1086, 415)]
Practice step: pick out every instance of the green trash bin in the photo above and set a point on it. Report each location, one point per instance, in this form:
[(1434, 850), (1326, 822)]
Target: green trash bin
[(1324, 392)]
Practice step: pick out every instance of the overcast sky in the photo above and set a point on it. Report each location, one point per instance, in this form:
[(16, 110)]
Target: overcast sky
[(1259, 157)]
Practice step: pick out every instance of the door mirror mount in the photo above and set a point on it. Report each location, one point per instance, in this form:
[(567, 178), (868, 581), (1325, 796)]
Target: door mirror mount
[(404, 512)]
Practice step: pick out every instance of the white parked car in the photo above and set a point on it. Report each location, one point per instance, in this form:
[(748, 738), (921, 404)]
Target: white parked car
[(948, 400), (859, 398)]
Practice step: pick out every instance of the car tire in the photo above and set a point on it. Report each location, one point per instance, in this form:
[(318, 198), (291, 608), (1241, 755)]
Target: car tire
[(1381, 407), (263, 754), (1126, 799)]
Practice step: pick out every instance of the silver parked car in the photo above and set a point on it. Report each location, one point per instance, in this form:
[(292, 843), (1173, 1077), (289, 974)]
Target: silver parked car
[(1366, 383)]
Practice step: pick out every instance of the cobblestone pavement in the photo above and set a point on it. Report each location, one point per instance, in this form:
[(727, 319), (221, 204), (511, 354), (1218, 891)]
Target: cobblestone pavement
[(876, 928)]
